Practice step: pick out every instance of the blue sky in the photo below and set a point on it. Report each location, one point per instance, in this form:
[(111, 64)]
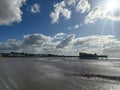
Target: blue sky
[(60, 26)]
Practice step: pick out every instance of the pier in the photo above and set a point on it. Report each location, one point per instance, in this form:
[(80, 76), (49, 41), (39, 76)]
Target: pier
[(80, 56)]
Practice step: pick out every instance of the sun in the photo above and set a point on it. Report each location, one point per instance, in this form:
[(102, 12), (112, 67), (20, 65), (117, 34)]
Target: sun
[(111, 5)]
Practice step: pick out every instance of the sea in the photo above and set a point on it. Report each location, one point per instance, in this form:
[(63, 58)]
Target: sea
[(53, 73)]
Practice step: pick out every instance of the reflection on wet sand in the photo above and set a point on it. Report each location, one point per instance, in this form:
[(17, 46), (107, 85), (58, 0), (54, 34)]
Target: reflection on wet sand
[(58, 74)]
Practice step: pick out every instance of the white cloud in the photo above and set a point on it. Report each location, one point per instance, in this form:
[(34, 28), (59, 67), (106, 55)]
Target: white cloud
[(100, 12), (74, 27), (113, 52), (70, 2), (64, 9), (35, 8), (60, 36), (69, 45), (97, 44), (60, 10), (95, 14), (115, 16), (10, 11), (83, 6)]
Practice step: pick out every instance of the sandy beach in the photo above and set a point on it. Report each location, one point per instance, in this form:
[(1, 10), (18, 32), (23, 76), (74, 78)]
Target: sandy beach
[(59, 74)]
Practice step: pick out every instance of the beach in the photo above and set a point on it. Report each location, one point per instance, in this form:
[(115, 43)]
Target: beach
[(59, 74)]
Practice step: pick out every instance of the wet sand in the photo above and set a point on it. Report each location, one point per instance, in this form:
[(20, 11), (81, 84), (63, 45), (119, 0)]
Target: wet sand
[(59, 74)]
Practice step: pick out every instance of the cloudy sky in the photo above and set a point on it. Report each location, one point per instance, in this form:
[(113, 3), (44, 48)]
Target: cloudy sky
[(60, 26)]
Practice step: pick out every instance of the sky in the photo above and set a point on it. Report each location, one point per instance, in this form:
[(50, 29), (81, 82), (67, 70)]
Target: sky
[(64, 27)]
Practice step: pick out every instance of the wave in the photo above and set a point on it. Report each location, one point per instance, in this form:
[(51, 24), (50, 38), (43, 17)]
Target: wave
[(89, 76)]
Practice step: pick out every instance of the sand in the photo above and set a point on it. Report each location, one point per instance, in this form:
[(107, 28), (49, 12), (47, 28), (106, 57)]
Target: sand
[(59, 74)]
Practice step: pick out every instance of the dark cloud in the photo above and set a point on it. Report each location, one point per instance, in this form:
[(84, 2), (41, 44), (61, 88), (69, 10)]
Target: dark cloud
[(65, 42), (35, 39)]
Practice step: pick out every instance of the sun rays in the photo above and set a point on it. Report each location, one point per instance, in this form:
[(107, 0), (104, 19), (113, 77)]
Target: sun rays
[(111, 5)]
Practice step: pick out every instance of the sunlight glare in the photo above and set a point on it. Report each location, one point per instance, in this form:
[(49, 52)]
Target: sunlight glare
[(111, 5)]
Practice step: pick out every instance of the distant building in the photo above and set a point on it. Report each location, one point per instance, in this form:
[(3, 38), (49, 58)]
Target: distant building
[(91, 56)]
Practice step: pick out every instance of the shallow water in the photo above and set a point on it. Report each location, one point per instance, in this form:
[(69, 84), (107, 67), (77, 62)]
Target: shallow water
[(59, 74)]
